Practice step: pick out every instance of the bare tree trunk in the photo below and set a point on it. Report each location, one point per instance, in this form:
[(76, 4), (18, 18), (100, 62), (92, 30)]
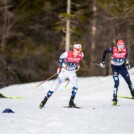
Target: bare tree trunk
[(68, 26), (129, 43), (93, 44), (5, 24), (113, 42)]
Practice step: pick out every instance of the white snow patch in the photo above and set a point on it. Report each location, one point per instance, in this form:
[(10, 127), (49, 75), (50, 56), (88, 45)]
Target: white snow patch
[(97, 115)]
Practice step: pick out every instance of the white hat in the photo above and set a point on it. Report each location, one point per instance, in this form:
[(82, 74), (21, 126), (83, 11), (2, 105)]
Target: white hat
[(77, 46)]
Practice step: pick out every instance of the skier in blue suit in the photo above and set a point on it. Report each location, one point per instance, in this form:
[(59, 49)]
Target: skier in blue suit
[(119, 65)]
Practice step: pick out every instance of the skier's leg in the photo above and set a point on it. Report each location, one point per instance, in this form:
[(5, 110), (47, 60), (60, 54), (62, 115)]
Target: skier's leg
[(116, 84), (115, 91), (50, 92), (126, 76), (74, 81), (58, 81)]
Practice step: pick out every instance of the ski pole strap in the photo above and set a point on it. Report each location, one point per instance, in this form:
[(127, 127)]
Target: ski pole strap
[(47, 79)]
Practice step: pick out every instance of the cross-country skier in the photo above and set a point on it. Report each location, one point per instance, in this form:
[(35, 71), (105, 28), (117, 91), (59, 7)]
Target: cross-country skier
[(119, 65), (68, 65)]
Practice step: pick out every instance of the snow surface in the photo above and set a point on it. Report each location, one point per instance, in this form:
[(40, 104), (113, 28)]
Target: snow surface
[(97, 115)]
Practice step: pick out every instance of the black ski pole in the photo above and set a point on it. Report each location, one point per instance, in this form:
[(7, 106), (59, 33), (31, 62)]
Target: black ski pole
[(96, 64), (47, 79)]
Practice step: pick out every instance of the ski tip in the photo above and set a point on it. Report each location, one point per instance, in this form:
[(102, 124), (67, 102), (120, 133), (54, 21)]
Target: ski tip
[(10, 97), (126, 97)]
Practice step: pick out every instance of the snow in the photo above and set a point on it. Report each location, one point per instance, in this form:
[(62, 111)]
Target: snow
[(97, 115)]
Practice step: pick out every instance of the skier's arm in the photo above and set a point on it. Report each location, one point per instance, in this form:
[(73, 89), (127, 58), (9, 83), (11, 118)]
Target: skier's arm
[(127, 61), (78, 65), (108, 50), (63, 56)]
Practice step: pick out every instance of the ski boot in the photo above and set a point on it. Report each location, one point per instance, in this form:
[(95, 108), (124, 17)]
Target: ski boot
[(71, 102), (131, 90), (43, 103), (132, 93), (114, 99)]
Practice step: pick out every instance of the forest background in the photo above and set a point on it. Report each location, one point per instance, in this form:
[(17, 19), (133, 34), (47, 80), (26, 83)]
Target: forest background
[(32, 35)]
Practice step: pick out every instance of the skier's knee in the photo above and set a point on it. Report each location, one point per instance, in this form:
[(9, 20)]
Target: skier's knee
[(58, 80), (116, 80), (49, 93), (74, 91)]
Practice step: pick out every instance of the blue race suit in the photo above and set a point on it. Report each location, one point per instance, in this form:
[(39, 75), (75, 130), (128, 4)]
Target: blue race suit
[(118, 67)]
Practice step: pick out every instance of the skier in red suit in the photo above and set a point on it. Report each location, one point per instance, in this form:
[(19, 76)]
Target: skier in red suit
[(119, 65), (68, 65)]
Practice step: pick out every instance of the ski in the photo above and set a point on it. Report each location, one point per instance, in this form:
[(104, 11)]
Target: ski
[(14, 97), (126, 97), (9, 97), (72, 107)]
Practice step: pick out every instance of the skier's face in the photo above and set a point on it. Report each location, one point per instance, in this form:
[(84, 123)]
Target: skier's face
[(77, 50), (120, 47)]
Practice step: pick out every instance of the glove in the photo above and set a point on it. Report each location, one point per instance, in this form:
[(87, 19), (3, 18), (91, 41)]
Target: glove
[(78, 67), (128, 66), (102, 64), (59, 69)]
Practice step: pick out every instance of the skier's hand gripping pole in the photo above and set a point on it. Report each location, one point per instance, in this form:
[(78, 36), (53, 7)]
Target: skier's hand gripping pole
[(102, 64), (47, 79)]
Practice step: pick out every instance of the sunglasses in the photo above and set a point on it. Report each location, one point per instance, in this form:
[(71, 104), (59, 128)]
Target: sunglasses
[(78, 49), (120, 46)]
